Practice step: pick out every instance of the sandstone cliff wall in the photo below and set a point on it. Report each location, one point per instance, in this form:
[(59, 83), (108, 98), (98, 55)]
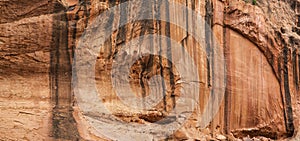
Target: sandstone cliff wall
[(260, 45)]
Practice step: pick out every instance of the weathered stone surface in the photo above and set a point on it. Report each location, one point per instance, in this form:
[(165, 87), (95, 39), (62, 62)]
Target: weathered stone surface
[(260, 44), (252, 94), (25, 107)]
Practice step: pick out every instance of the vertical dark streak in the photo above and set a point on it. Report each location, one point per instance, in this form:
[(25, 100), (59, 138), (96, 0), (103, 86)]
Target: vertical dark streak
[(122, 34), (109, 26), (286, 97), (295, 69), (288, 101), (64, 125), (54, 64), (150, 26), (227, 107), (86, 12), (294, 62), (183, 42), (212, 47), (208, 18), (282, 95), (157, 15), (74, 34), (169, 54), (279, 68), (209, 48), (56, 67), (68, 65), (141, 79), (73, 47), (144, 63), (288, 110)]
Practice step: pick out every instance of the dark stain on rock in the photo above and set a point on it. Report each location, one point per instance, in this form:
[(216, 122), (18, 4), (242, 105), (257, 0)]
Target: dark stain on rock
[(227, 96), (63, 123), (208, 40), (289, 110), (158, 14), (287, 102), (169, 55), (121, 36), (295, 72), (292, 41)]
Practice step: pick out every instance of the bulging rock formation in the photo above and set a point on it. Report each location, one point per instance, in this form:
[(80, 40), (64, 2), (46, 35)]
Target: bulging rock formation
[(247, 59)]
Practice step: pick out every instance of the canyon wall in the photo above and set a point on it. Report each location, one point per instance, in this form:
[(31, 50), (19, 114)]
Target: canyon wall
[(259, 43)]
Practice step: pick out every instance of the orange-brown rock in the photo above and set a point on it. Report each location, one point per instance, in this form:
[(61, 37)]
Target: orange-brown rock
[(259, 42)]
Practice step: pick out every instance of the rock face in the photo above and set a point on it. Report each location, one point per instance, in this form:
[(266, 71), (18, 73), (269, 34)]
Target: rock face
[(259, 44)]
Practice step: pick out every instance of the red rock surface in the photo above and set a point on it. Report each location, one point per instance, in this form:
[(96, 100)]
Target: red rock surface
[(259, 42)]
